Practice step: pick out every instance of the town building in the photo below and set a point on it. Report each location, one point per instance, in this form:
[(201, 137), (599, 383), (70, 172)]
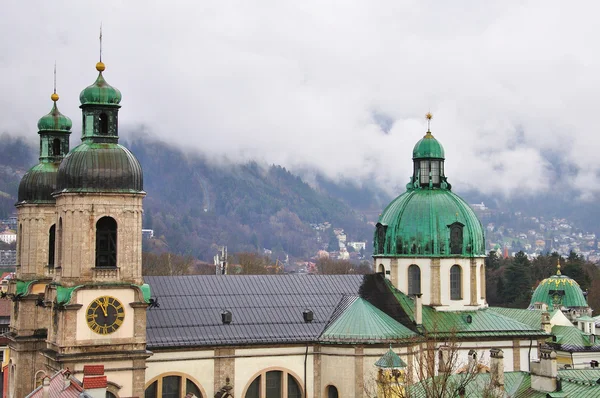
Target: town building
[(79, 298)]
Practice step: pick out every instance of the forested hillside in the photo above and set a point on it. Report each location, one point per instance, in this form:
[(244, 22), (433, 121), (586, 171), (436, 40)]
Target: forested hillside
[(195, 206)]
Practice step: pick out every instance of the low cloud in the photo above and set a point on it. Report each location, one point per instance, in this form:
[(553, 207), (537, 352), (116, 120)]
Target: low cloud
[(337, 86)]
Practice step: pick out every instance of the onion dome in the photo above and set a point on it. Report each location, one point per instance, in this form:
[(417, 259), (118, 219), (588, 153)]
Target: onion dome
[(429, 223), (100, 93), (39, 182), (54, 121), (100, 167), (559, 291)]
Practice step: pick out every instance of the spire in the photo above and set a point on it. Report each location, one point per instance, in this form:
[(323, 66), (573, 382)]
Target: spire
[(54, 97), (100, 65), (558, 267), (428, 116)]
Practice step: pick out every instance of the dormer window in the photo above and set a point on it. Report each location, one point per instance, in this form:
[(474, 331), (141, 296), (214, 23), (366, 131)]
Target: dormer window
[(456, 238)]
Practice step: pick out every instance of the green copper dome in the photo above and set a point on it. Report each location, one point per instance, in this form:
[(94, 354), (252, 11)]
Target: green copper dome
[(38, 183), (100, 167), (428, 147), (420, 222), (558, 291), (54, 121), (100, 93)]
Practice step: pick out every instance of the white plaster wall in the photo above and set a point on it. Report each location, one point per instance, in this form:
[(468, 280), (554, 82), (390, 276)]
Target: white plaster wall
[(338, 369), (199, 365), (86, 296)]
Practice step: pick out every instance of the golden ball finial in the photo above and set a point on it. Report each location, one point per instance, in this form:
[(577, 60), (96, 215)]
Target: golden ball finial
[(100, 66), (54, 97)]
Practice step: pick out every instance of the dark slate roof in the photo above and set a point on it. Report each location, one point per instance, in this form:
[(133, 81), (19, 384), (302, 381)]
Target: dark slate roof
[(265, 308)]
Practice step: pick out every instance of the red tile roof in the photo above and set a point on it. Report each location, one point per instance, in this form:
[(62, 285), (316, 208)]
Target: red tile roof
[(90, 382), (93, 370), (58, 389)]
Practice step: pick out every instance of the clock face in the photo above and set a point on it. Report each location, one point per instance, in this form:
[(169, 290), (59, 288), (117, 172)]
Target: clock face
[(105, 315)]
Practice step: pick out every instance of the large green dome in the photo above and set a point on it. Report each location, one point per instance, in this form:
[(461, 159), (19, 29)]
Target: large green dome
[(100, 93), (428, 147), (558, 291), (100, 167), (420, 221)]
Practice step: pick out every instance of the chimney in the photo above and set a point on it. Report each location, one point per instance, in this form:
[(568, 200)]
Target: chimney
[(497, 368), (46, 387), (546, 326), (307, 315), (94, 381), (545, 371), (226, 317), (418, 309)]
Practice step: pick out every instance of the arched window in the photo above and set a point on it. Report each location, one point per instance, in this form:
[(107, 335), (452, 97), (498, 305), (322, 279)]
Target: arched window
[(332, 392), (381, 269), (414, 279), (51, 245), (103, 124), (455, 282), (56, 147), (172, 386), (106, 242), (456, 238), (274, 383), (110, 395)]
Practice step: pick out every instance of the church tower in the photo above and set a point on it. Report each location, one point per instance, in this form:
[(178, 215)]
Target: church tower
[(36, 256), (428, 241), (98, 299)]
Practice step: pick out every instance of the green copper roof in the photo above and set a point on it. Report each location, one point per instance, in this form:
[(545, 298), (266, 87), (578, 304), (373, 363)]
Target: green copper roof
[(146, 292), (417, 223), (100, 167), (558, 291), (22, 288), (390, 360), (38, 183), (532, 318), (476, 323), (100, 93), (362, 321), (55, 121), (63, 294), (428, 147), (570, 338)]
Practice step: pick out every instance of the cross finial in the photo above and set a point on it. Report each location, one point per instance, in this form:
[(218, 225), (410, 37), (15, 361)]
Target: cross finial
[(100, 41), (429, 116)]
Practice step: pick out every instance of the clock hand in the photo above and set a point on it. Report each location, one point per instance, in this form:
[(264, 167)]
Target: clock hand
[(105, 306)]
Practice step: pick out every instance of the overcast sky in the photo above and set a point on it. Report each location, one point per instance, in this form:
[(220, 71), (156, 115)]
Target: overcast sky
[(342, 86)]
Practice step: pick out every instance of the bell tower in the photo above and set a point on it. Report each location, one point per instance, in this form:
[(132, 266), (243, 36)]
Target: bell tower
[(36, 255), (98, 298)]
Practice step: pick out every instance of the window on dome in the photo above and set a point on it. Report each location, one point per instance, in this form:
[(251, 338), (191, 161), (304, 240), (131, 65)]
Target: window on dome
[(51, 243), (455, 282), (106, 242), (56, 147), (414, 279), (456, 238), (435, 171), (103, 124), (424, 177)]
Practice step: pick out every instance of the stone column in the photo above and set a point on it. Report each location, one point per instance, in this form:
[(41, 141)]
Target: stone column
[(224, 367), (394, 272), (516, 355), (359, 382), (436, 290), (316, 371), (473, 270)]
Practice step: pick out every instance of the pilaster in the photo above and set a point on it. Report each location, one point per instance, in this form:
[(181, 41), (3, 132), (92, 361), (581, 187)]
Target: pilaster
[(436, 291), (394, 272), (359, 382), (473, 280)]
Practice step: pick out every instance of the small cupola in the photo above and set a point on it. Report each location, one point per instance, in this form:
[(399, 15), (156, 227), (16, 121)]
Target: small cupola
[(39, 182), (428, 162)]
